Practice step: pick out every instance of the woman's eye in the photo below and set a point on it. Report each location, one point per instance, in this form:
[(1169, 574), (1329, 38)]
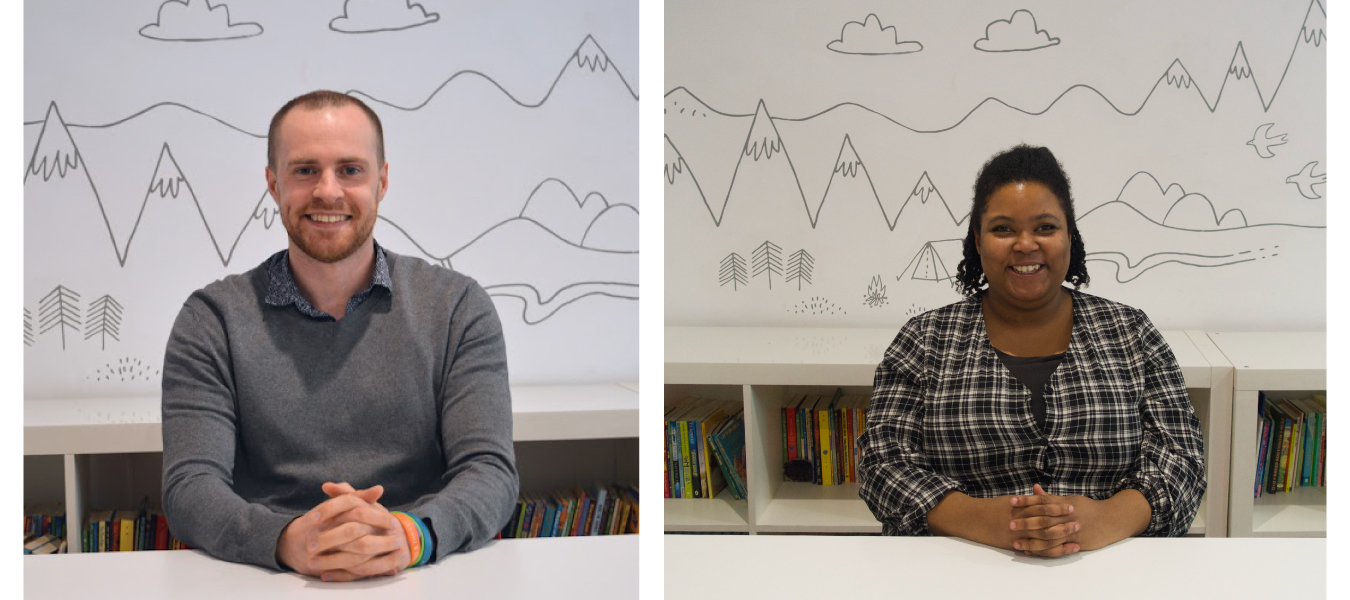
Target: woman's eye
[(1048, 227)]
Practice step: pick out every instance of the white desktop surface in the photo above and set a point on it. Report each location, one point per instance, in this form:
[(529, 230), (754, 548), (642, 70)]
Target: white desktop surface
[(590, 568), (771, 566)]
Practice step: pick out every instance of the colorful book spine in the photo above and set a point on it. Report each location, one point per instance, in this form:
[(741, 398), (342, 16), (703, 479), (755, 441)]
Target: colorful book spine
[(686, 480), (790, 424), (1262, 448)]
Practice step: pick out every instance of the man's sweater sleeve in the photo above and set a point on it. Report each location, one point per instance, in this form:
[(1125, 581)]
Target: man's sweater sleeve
[(480, 483), (199, 420)]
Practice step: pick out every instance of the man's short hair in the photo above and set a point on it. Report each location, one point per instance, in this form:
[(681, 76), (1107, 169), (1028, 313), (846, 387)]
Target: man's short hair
[(322, 99)]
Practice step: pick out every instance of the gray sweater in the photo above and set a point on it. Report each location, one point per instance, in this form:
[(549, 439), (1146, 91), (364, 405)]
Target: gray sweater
[(262, 404)]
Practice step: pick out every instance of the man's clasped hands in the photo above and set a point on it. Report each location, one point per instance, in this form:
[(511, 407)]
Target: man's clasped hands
[(347, 537)]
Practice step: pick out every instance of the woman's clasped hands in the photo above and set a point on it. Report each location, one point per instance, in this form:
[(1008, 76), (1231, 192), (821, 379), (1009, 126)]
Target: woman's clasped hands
[(1047, 525)]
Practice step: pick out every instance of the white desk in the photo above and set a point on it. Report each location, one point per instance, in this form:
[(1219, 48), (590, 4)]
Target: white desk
[(757, 566), (589, 568)]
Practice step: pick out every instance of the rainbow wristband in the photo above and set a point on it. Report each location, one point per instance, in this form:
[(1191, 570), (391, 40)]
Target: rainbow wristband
[(413, 533), (427, 550)]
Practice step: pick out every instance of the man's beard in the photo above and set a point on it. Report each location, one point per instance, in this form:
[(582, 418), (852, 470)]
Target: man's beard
[(330, 249)]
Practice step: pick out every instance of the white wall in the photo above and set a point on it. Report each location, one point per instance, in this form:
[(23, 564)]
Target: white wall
[(510, 132), (817, 127)]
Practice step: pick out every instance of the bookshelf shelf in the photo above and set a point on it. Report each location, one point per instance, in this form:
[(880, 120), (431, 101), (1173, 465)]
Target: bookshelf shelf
[(764, 367), (572, 422), (804, 507), (721, 514)]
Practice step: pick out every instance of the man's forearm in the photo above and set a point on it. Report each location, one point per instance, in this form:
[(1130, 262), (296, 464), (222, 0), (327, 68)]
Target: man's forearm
[(983, 520)]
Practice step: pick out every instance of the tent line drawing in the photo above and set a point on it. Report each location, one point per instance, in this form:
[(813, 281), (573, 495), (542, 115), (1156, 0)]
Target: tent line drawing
[(928, 263)]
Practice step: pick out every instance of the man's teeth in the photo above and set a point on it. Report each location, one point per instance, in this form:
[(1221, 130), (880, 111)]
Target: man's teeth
[(328, 218), (1027, 269)]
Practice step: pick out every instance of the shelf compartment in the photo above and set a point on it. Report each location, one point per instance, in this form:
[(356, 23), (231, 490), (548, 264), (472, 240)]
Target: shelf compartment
[(806, 507), (698, 515), (1299, 513)]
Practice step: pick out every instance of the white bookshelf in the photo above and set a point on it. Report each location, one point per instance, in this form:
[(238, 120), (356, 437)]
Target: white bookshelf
[(1283, 365), (764, 367), (574, 423)]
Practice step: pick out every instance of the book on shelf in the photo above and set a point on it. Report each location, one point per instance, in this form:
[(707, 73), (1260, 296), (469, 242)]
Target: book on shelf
[(693, 463), (827, 450), (128, 530), (728, 444), (602, 510), (43, 519), (1291, 443)]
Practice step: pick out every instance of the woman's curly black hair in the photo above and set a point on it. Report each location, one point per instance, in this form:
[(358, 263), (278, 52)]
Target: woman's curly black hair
[(1019, 164)]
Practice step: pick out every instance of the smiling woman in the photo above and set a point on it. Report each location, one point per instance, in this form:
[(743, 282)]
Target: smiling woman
[(1030, 416)]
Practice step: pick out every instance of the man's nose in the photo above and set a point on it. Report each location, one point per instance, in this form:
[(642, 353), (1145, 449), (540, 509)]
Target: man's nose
[(328, 187)]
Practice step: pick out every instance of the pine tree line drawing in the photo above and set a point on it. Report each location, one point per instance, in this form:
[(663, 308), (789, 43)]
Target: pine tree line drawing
[(733, 271), (59, 311), (799, 267), (104, 319), (767, 260)]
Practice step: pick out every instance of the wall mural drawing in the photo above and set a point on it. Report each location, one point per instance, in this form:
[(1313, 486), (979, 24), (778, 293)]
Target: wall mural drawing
[(371, 16), (1305, 181), (1018, 33), (1142, 113), (197, 21), (869, 38), (1262, 141), (510, 130)]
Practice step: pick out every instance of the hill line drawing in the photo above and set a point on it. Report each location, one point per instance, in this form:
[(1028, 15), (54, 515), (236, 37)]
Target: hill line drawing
[(594, 59), (1163, 223), (1175, 75)]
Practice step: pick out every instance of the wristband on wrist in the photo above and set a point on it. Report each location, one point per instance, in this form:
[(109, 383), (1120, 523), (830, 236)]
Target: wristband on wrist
[(413, 534), (427, 550)]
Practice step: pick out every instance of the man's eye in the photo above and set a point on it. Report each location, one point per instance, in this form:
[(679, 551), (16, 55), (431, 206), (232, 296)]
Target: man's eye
[(351, 171), (304, 171)]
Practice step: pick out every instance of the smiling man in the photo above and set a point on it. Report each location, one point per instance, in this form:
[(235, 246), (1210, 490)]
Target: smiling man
[(339, 410)]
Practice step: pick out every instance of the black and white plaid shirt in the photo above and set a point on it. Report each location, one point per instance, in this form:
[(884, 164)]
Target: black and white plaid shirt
[(947, 415)]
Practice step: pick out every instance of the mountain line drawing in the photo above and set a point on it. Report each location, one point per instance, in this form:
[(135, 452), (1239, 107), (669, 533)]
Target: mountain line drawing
[(589, 243), (1313, 33), (847, 165), (589, 56)]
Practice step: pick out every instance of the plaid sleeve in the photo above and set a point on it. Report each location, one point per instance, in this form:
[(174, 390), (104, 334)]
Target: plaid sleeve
[(1170, 471), (895, 479)]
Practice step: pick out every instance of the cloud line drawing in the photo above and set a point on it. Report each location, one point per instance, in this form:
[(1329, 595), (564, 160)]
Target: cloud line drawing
[(1304, 179), (373, 16), (870, 38), (197, 21), (1016, 34), (1313, 32), (1262, 141)]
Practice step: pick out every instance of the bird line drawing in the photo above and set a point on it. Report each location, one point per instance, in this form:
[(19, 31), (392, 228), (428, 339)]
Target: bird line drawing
[(1304, 179), (1262, 141)]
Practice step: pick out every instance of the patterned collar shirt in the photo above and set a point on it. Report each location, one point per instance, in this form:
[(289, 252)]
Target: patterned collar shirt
[(947, 415), (282, 289)]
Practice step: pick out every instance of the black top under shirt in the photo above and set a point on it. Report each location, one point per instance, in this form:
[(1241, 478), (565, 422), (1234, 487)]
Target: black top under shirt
[(1033, 372)]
